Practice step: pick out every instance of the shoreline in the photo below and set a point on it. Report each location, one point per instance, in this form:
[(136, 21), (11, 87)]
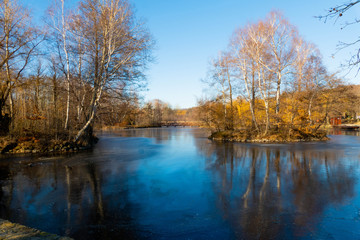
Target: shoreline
[(32, 145), (265, 140), (246, 137), (9, 230)]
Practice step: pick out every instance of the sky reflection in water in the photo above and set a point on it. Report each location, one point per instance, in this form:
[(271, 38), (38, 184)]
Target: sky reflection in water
[(173, 183)]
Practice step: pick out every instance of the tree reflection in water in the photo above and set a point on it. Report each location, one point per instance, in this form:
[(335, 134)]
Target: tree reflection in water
[(176, 184), (49, 194), (276, 192)]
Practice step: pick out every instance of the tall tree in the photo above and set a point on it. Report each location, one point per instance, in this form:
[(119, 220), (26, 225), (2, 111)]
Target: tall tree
[(259, 51), (221, 80), (18, 41), (60, 24), (245, 68), (281, 35), (117, 46)]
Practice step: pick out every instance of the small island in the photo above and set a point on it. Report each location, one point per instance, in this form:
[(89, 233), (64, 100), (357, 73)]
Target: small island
[(271, 85), (274, 137)]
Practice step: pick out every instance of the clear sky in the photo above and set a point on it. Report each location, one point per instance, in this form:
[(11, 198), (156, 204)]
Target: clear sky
[(189, 32)]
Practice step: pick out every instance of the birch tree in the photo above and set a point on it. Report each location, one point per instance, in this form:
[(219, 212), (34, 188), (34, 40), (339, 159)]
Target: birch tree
[(303, 51), (60, 24), (281, 35), (315, 80), (244, 65), (221, 80), (259, 52), (117, 46)]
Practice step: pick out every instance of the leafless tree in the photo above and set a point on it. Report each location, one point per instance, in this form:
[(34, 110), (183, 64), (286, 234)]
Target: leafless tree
[(116, 47), (18, 42), (337, 12), (281, 35), (220, 78), (60, 18), (244, 64)]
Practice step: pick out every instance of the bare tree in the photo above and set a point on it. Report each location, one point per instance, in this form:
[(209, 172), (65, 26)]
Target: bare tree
[(221, 80), (337, 12), (80, 85), (116, 47), (297, 86), (17, 45), (240, 47), (60, 24), (315, 80), (281, 35), (259, 52), (55, 92)]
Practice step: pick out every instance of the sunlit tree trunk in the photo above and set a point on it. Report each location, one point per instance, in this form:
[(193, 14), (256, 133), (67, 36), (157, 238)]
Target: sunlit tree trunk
[(61, 26), (114, 43), (281, 34), (241, 61), (231, 118)]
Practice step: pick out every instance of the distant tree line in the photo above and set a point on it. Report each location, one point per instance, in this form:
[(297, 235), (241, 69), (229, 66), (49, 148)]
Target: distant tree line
[(82, 64), (153, 113), (270, 79)]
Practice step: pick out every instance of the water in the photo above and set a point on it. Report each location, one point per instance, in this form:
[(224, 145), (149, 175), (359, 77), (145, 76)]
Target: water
[(174, 183)]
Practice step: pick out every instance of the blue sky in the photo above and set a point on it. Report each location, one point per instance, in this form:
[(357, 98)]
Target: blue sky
[(189, 32)]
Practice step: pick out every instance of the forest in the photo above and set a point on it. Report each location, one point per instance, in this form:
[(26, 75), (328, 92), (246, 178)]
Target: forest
[(81, 65)]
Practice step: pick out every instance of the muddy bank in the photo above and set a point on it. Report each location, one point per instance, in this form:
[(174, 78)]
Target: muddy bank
[(37, 145), (9, 230), (274, 137)]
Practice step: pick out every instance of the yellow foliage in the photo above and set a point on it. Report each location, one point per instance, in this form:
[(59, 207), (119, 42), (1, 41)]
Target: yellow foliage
[(180, 112)]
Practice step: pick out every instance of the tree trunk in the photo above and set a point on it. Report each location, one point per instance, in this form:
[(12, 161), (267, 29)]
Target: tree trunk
[(231, 120), (4, 124), (87, 128), (64, 31), (251, 96), (267, 117), (277, 109), (252, 103), (310, 106)]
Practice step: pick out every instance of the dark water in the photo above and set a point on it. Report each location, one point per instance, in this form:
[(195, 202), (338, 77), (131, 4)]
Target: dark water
[(173, 183)]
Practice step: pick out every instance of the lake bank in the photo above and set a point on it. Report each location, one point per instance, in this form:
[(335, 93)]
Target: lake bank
[(273, 137), (9, 230), (29, 145)]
